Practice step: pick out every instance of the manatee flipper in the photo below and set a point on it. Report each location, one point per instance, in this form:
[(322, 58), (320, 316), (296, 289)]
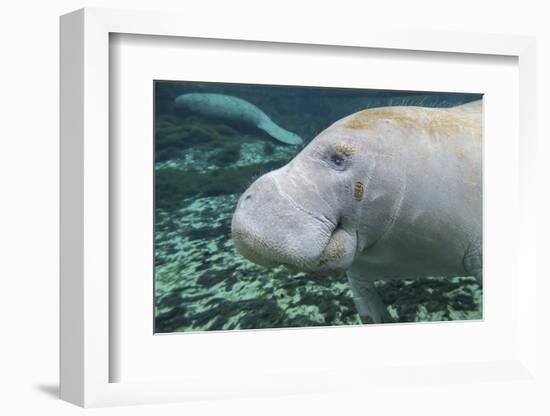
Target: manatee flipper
[(370, 306), (473, 261), (277, 132)]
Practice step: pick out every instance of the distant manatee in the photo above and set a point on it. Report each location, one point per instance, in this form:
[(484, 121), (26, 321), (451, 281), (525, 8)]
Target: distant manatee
[(234, 109)]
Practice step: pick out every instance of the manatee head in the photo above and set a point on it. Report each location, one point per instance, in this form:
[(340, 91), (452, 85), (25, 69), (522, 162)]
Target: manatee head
[(309, 214)]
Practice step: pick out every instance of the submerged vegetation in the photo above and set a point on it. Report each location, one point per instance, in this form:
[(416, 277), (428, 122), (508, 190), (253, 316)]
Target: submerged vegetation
[(174, 185), (173, 137)]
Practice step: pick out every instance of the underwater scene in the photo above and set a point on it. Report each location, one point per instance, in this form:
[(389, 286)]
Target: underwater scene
[(213, 141)]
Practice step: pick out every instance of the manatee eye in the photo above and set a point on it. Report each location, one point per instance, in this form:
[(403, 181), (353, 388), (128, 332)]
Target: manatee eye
[(337, 160)]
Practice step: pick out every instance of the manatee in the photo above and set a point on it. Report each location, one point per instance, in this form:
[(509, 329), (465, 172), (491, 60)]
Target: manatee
[(236, 110), (384, 193)]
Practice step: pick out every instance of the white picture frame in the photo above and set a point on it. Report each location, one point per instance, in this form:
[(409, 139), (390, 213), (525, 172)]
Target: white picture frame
[(86, 355)]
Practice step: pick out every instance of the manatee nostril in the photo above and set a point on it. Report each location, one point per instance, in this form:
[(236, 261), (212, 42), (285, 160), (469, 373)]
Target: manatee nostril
[(245, 200)]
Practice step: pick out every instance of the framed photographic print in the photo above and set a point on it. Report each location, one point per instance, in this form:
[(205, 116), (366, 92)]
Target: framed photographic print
[(248, 215)]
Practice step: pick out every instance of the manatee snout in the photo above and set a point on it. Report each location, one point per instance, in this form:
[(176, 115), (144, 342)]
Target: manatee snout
[(271, 228)]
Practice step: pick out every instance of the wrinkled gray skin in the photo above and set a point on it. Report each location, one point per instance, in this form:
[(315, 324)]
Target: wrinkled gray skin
[(233, 108), (386, 193)]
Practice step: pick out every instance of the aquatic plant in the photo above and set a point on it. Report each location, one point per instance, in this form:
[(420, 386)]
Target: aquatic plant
[(268, 149), (174, 136), (226, 155)]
